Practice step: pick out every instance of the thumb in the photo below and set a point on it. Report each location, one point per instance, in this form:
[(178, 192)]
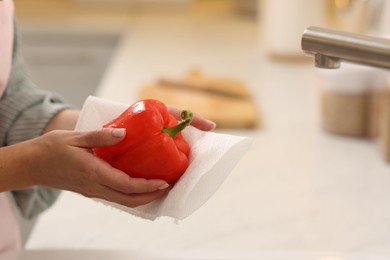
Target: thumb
[(100, 137)]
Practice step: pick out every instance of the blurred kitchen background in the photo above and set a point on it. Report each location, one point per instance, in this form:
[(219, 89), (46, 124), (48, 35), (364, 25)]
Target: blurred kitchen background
[(68, 44), (317, 175)]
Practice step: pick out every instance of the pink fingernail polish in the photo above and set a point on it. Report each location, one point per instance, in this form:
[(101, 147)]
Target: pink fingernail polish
[(164, 186), (212, 124), (119, 132)]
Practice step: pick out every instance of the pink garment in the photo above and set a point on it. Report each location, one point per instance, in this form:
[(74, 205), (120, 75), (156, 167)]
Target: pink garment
[(6, 41), (9, 229)]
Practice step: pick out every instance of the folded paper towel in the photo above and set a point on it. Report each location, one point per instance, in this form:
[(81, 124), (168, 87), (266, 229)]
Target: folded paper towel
[(213, 156)]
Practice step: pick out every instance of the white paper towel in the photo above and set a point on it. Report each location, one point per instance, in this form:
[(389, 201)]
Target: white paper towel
[(213, 156)]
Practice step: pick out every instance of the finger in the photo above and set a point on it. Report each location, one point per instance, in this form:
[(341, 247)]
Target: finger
[(197, 121), (100, 137), (202, 124), (120, 181), (129, 200)]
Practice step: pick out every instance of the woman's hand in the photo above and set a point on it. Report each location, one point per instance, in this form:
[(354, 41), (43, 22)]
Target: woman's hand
[(67, 119), (63, 160), (198, 121)]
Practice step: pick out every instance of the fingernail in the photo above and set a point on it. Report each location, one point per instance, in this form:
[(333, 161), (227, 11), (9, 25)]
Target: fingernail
[(213, 125), (119, 132), (164, 186)]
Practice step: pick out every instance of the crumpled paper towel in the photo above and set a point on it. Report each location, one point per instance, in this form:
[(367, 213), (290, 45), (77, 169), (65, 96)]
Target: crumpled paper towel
[(213, 156)]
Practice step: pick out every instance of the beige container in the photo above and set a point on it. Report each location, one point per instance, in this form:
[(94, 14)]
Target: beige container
[(356, 102), (346, 99), (378, 101), (355, 114), (344, 113), (383, 101), (383, 133)]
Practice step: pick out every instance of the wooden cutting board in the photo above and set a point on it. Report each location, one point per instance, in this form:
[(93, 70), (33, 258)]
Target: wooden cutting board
[(225, 101)]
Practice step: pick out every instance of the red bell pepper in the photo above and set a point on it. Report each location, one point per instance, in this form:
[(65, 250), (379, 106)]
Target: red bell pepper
[(153, 147)]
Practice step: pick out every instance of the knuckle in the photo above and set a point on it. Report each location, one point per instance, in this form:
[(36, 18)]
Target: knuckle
[(89, 180), (89, 139), (99, 137), (131, 186), (99, 134)]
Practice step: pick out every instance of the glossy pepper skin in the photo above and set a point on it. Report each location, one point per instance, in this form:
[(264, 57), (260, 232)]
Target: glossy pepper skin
[(153, 147)]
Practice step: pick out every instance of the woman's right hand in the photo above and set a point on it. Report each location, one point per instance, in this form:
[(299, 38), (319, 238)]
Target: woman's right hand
[(63, 160)]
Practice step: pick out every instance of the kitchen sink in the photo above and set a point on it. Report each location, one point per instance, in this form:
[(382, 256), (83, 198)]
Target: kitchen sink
[(68, 61)]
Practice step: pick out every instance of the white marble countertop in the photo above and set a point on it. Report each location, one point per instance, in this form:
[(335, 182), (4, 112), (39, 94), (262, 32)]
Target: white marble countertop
[(297, 189)]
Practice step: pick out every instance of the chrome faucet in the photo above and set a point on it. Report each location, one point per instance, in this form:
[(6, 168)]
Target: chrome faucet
[(330, 47)]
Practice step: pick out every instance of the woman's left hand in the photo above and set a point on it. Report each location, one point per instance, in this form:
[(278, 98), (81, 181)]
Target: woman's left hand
[(197, 121)]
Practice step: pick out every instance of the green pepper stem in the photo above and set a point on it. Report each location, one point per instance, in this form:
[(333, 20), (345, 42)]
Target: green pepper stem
[(186, 118)]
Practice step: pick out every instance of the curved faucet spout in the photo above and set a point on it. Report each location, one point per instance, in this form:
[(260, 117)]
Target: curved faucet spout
[(330, 47), (325, 62)]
